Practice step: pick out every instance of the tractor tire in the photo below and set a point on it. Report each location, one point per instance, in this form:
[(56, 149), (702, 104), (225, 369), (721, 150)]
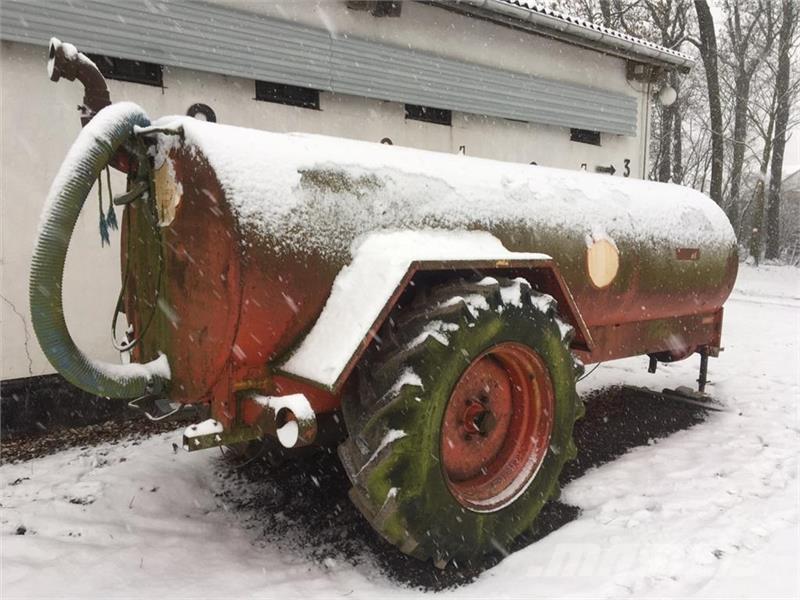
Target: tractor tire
[(462, 420)]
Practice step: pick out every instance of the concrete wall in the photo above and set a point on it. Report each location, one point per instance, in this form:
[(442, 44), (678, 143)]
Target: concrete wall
[(39, 123)]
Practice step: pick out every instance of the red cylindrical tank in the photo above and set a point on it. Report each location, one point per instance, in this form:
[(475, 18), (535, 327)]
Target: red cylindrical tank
[(255, 226)]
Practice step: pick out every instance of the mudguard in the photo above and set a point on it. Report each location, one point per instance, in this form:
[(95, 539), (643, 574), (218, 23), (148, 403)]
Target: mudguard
[(384, 264)]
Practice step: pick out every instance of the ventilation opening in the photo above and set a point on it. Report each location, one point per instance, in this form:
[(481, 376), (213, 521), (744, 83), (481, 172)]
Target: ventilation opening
[(440, 116), (134, 71), (291, 95), (585, 136)]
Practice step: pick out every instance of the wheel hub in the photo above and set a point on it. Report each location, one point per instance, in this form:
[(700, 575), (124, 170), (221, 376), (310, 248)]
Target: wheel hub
[(478, 418), (496, 427)]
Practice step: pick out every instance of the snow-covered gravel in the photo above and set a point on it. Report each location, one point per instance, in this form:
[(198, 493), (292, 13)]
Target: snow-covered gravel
[(709, 512)]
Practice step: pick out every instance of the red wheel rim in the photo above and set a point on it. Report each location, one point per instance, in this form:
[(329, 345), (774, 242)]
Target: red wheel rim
[(496, 427)]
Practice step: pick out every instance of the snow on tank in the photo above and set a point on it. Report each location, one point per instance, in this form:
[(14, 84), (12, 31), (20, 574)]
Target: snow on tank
[(312, 191)]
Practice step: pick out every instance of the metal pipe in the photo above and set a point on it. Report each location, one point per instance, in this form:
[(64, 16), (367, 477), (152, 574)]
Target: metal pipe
[(290, 419), (702, 379), (64, 60)]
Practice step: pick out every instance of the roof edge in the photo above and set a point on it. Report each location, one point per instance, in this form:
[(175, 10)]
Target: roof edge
[(571, 29)]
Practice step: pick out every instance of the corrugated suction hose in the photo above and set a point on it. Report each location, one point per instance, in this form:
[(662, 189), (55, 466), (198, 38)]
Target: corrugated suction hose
[(89, 155)]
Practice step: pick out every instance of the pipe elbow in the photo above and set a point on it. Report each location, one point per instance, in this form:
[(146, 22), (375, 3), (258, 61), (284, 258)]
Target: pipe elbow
[(64, 60)]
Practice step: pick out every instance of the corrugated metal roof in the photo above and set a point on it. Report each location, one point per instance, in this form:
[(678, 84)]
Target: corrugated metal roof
[(565, 25)]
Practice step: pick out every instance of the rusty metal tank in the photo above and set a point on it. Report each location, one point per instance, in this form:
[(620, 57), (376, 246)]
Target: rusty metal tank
[(253, 228), (261, 271)]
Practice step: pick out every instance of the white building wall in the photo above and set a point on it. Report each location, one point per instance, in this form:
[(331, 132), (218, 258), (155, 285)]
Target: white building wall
[(39, 123), (446, 33)]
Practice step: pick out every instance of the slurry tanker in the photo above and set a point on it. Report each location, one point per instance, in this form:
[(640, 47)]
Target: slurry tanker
[(427, 314)]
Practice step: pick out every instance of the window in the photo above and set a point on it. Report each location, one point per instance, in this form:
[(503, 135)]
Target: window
[(387, 9), (123, 69), (440, 116), (378, 8), (584, 136), (292, 95)]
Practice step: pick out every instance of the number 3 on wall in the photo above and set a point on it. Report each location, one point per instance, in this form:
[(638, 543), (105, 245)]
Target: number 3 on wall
[(627, 169)]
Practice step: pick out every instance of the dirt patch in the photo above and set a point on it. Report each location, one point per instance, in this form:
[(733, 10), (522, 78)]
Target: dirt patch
[(620, 418), (303, 507), (26, 447)]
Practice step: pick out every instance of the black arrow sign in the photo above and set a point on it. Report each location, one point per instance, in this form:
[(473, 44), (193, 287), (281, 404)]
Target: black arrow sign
[(609, 169)]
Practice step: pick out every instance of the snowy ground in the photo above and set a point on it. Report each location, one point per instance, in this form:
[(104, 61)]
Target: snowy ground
[(711, 511)]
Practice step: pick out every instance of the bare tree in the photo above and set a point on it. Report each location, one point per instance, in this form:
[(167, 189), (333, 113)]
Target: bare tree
[(626, 15), (669, 20), (761, 112), (782, 95), (708, 52), (750, 30), (605, 11), (757, 221), (694, 133)]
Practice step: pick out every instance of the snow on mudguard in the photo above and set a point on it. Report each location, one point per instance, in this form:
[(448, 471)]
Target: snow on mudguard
[(363, 289)]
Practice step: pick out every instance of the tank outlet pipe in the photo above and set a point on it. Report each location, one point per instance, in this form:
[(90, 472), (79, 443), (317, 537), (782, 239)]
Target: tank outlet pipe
[(290, 419), (91, 152), (64, 60)]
